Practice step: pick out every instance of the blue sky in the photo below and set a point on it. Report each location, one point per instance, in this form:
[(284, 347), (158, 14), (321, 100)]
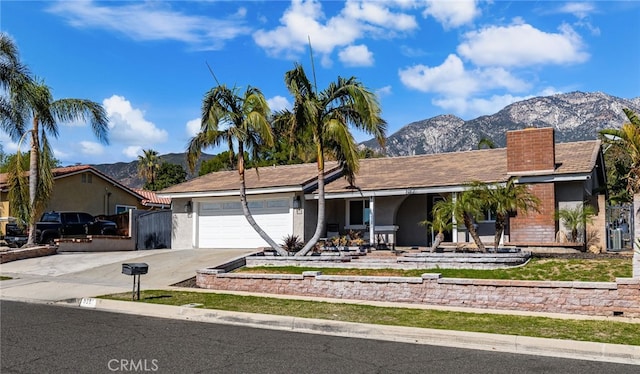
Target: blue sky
[(145, 61)]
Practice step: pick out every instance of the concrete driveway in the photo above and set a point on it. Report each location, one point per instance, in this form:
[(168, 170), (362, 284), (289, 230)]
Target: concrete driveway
[(77, 275)]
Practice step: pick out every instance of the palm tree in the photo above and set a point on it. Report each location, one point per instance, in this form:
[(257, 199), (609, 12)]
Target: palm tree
[(440, 223), (45, 113), (14, 76), (30, 100), (505, 199), (464, 207), (148, 165), (627, 139), (247, 126), (326, 116), (576, 219)]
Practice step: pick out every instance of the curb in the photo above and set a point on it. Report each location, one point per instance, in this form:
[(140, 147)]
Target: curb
[(592, 351)]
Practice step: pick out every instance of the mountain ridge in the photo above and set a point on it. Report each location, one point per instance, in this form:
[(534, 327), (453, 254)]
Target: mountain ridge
[(575, 116)]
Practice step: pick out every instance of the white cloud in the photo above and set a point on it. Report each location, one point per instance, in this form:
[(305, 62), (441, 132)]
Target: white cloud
[(61, 155), (384, 91), (151, 20), (506, 46), (91, 148), (451, 78), (132, 151), (356, 55), (305, 20), (579, 9), (376, 14), (128, 125), (193, 127), (452, 13), (456, 87), (277, 103)]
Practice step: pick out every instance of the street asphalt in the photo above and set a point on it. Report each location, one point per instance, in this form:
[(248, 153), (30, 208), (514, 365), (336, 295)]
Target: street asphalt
[(76, 279)]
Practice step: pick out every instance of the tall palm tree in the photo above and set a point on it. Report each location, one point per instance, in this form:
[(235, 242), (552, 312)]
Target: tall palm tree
[(240, 120), (14, 76), (465, 207), (45, 113), (505, 199), (326, 116), (627, 139), (148, 165)]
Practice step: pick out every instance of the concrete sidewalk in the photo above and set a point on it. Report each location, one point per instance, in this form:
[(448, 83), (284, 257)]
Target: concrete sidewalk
[(75, 279)]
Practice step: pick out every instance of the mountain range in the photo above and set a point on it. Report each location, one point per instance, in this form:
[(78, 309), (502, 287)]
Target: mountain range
[(574, 116), (127, 172)]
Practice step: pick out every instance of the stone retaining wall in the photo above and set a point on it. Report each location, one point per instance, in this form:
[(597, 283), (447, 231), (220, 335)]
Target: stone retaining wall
[(410, 261), (620, 298), (21, 254)]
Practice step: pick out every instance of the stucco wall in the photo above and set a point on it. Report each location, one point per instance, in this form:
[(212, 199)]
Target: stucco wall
[(182, 225), (70, 193)]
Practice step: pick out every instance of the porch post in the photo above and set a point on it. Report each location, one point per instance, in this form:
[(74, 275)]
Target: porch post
[(372, 221), (636, 233), (454, 230)]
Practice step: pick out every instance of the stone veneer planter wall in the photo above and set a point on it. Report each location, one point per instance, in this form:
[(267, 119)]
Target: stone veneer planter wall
[(620, 298)]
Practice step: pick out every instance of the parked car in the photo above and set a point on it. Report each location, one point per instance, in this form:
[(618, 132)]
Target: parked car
[(55, 225)]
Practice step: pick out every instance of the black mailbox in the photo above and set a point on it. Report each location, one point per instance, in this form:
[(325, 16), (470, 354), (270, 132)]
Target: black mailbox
[(135, 268)]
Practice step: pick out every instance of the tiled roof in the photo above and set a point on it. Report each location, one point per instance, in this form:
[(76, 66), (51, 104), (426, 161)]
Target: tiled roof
[(150, 197), (266, 177), (457, 168), (69, 170), (57, 172), (388, 173)]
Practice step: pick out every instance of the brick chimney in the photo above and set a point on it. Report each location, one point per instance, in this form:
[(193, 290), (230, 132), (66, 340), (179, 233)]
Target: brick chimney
[(531, 152)]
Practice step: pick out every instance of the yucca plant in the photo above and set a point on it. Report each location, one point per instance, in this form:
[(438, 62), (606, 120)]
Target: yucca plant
[(292, 244)]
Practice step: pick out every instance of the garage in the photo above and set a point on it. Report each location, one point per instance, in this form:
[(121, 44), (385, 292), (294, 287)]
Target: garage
[(221, 224)]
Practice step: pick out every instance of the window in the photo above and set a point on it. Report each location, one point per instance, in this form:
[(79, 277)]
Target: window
[(358, 212), (124, 208), (488, 216), (87, 178)]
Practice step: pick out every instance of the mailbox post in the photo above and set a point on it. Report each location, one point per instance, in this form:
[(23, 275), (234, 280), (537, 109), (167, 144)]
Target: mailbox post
[(135, 269)]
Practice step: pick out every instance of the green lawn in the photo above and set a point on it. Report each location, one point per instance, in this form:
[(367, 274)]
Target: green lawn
[(596, 331), (587, 270)]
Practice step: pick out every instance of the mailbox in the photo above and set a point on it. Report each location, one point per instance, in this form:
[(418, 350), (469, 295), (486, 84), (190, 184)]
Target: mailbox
[(135, 268)]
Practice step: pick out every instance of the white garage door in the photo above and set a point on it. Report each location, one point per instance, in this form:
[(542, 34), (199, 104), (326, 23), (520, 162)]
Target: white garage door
[(222, 224)]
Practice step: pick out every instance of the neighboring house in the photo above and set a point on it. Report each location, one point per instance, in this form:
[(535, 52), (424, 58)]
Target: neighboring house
[(391, 195), (84, 188)]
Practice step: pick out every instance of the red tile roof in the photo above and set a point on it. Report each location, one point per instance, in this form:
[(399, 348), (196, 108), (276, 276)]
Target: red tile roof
[(150, 197)]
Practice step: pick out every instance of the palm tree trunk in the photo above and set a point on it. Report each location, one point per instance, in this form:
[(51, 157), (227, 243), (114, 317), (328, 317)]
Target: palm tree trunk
[(245, 206), (33, 181), (500, 220), (321, 207), (474, 233), (436, 243)]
